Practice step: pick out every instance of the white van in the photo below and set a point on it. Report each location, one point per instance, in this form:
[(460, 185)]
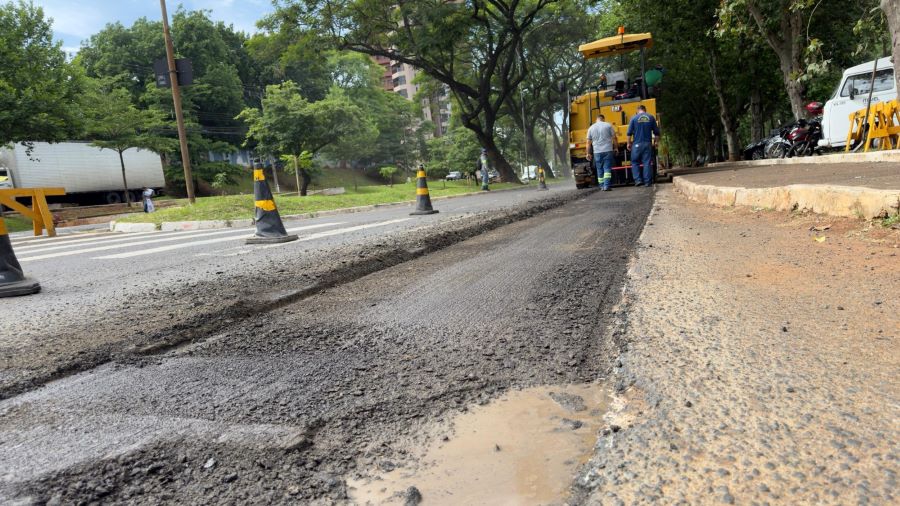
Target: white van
[(852, 95)]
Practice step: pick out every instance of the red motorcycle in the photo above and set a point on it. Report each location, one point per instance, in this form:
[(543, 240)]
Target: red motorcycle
[(804, 137)]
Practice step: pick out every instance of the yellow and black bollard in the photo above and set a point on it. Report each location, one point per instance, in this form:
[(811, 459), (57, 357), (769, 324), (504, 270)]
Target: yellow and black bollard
[(269, 228), (542, 182), (423, 199), (12, 280)]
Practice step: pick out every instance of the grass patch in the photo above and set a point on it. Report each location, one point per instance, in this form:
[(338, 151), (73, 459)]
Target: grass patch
[(890, 221), (17, 223), (233, 207)]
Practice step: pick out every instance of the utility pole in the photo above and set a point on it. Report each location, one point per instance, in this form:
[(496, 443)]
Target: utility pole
[(176, 99)]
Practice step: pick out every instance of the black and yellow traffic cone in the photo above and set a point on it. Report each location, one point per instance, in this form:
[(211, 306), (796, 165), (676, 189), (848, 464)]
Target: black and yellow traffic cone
[(269, 228), (423, 199), (12, 280), (542, 182)]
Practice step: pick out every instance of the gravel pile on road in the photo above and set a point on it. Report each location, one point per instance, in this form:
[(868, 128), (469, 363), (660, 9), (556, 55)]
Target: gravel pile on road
[(760, 366), (172, 314), (358, 369)]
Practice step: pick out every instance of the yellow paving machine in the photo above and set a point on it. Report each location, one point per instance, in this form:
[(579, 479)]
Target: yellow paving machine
[(617, 98)]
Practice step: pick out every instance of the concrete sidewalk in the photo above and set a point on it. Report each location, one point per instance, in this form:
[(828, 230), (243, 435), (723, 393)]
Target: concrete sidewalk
[(864, 189)]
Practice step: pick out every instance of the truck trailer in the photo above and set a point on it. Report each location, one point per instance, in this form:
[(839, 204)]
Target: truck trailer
[(89, 174)]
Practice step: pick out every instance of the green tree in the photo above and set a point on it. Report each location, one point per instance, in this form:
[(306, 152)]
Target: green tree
[(288, 124), (39, 90), (388, 172), (113, 122), (473, 47)]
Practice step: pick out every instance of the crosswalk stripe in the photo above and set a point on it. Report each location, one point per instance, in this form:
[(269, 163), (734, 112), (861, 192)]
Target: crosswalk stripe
[(310, 237), (175, 237), (105, 239), (36, 242)]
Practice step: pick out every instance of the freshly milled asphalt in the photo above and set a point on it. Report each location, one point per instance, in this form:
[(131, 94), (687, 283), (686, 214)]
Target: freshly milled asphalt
[(279, 407), (91, 310)]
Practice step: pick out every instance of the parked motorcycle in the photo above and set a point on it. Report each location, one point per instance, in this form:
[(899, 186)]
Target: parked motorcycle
[(804, 138), (777, 146)]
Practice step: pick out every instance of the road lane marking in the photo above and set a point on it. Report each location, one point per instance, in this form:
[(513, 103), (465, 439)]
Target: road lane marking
[(109, 239), (310, 237), (39, 242), (320, 235), (235, 233)]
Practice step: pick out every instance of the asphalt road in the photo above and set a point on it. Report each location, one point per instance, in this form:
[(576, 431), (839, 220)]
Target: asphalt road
[(282, 406), (104, 289)]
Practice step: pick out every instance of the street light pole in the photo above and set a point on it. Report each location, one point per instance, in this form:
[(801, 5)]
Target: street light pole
[(176, 99)]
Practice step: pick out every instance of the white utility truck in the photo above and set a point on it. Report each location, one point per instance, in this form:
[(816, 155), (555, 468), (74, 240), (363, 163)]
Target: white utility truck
[(89, 174), (852, 95)]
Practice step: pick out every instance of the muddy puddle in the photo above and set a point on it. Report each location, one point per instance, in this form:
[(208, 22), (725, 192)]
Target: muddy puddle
[(520, 449)]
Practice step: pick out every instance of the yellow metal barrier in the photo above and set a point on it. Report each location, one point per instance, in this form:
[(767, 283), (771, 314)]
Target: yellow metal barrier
[(39, 212), (884, 126)]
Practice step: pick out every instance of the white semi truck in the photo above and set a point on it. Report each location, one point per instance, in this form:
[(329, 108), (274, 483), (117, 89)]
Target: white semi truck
[(88, 174)]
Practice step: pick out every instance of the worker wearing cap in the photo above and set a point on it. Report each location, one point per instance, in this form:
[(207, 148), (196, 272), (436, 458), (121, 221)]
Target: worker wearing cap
[(602, 146), (643, 134)]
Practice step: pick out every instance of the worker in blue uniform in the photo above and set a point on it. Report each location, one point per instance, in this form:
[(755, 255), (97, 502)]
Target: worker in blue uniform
[(643, 135)]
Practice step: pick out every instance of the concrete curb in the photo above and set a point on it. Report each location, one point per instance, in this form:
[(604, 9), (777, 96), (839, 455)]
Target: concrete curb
[(115, 226), (876, 156), (845, 201), (171, 226)]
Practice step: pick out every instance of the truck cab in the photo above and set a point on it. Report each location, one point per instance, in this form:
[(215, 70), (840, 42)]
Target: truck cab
[(5, 180), (852, 94)]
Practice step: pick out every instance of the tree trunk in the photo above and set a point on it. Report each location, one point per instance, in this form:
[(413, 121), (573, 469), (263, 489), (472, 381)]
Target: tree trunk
[(757, 128), (725, 116), (786, 42), (124, 179), (305, 178), (297, 175), (892, 12)]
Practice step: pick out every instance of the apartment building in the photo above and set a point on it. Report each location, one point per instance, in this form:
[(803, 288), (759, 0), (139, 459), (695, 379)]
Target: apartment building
[(398, 77)]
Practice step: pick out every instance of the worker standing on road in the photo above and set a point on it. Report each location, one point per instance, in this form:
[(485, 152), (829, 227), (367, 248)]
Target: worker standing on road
[(602, 147), (643, 134), (484, 167), (148, 200)]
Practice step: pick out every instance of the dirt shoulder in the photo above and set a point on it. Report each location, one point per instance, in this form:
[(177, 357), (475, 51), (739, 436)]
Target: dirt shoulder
[(760, 365)]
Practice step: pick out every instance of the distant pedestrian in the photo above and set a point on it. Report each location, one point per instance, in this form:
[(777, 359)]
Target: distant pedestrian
[(485, 167), (602, 147), (148, 200), (643, 135)]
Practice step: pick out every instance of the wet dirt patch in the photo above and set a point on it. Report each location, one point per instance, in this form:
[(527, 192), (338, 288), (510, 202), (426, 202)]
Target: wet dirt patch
[(523, 448)]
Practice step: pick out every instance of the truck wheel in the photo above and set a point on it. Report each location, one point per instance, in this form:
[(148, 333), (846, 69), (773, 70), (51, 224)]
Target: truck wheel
[(113, 198)]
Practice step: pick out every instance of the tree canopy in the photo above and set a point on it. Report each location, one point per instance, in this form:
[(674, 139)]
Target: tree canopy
[(39, 89)]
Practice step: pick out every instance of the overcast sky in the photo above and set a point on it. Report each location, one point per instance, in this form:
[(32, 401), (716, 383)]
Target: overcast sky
[(76, 20)]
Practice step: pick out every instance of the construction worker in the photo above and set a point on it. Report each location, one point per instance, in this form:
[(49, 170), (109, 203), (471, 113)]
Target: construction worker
[(484, 167), (643, 135), (601, 151)]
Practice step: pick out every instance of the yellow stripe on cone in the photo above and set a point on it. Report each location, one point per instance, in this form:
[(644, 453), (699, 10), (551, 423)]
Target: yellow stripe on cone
[(265, 205)]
